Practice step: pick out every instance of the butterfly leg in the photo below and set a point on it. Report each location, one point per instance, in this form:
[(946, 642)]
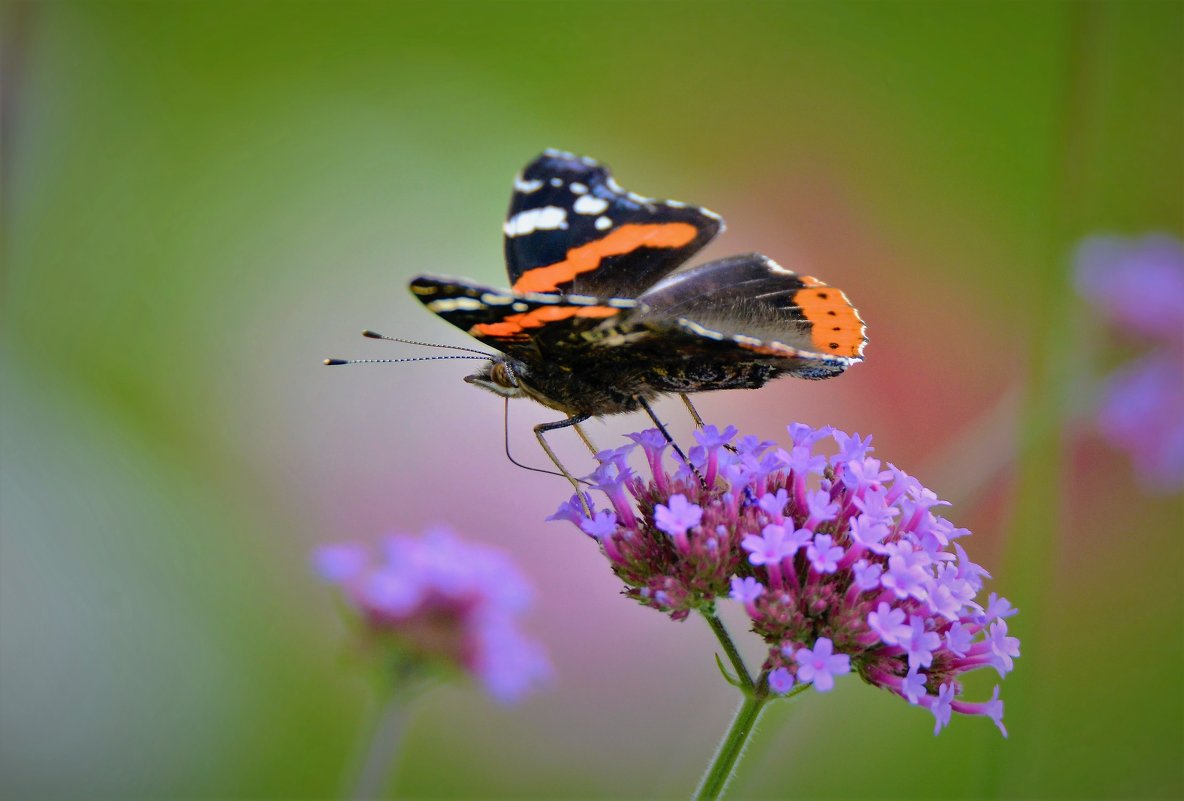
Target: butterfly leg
[(541, 429), (699, 420), (691, 408), (584, 436), (650, 411)]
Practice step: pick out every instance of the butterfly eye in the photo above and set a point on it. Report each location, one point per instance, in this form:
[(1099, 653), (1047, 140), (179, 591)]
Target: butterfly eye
[(503, 376)]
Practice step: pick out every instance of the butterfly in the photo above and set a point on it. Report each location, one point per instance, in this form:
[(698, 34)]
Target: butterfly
[(600, 319)]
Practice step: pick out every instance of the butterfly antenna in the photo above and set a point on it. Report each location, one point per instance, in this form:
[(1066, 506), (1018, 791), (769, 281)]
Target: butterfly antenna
[(515, 462), (335, 362), (375, 335)]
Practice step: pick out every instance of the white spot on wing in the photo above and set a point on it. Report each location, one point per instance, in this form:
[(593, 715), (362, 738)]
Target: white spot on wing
[(526, 187), (695, 328), (547, 218), (455, 304), (556, 182), (587, 204), (774, 267), (578, 188), (603, 223)]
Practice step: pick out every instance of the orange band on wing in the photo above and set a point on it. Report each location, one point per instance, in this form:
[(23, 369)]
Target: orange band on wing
[(837, 329), (586, 258), (516, 324)]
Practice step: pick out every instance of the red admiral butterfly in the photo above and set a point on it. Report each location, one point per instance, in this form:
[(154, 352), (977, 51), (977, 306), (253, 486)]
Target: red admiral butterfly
[(598, 322)]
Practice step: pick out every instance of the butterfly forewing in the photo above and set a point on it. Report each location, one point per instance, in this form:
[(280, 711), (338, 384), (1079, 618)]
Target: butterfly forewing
[(572, 229), (517, 324)]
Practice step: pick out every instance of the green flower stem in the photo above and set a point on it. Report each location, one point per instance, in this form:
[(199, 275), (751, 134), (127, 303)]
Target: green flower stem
[(756, 695), (374, 775), (723, 765), (727, 755), (725, 640)]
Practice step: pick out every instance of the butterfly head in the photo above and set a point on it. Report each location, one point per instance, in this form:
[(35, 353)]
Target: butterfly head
[(501, 375)]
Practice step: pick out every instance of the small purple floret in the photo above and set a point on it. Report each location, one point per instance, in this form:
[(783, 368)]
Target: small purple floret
[(601, 525), (650, 439), (998, 608), (913, 686), (746, 590), (958, 639), (941, 706), (820, 664), (851, 447), (1004, 649), (889, 624), (773, 504), (678, 516), (823, 554), (820, 508), (712, 438), (920, 644), (571, 510), (773, 545), (781, 681), (867, 575)]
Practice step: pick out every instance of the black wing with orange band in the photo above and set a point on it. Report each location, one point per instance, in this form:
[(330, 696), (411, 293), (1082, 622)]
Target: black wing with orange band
[(572, 229), (515, 323)]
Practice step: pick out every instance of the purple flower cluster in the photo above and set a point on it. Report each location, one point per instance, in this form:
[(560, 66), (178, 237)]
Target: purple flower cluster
[(1138, 286), (839, 560), (440, 600)]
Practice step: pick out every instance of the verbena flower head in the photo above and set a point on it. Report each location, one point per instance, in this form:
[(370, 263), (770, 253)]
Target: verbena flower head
[(440, 600), (1138, 286), (839, 559)]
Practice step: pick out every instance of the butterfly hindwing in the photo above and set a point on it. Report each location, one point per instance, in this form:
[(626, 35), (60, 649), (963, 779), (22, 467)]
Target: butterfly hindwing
[(753, 301), (572, 229)]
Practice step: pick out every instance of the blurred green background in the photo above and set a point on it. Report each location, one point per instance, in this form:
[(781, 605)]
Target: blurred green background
[(202, 200)]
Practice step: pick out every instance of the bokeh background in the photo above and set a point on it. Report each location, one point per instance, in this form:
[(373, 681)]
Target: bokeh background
[(202, 200)]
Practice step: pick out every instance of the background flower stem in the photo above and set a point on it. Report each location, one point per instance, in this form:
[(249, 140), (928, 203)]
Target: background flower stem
[(1037, 524), (374, 773)]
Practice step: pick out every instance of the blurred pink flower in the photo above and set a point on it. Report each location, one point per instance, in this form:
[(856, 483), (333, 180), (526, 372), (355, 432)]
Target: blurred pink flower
[(440, 600), (1137, 285)]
